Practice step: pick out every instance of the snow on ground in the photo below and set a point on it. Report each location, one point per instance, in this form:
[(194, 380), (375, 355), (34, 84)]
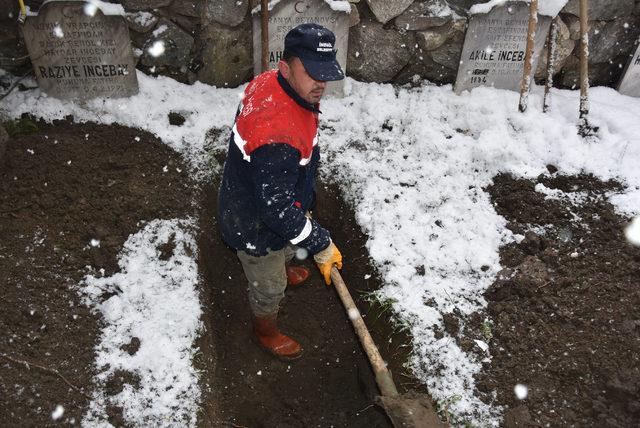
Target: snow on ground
[(155, 301), (417, 185), (413, 163), (545, 7), (203, 107)]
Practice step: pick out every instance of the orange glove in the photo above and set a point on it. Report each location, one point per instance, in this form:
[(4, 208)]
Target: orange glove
[(325, 260)]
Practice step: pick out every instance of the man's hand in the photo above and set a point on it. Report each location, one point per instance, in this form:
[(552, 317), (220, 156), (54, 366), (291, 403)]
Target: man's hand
[(325, 260)]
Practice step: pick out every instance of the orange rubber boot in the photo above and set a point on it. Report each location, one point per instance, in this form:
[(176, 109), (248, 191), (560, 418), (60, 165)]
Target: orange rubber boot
[(269, 337), (296, 275)]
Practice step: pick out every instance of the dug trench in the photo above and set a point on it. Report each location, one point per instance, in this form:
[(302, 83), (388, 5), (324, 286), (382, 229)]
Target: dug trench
[(332, 384), (65, 184)]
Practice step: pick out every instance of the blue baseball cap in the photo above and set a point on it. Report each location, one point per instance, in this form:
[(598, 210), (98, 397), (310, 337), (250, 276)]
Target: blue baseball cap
[(315, 46)]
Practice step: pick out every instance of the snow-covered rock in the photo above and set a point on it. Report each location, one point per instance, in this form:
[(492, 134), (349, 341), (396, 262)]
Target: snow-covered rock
[(385, 10)]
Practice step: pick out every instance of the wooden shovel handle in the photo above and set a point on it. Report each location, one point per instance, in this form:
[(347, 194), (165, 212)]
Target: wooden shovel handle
[(383, 375)]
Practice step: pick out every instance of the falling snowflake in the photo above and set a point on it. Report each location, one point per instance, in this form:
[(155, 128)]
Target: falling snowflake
[(156, 49), (521, 391), (632, 232), (90, 8), (57, 413)]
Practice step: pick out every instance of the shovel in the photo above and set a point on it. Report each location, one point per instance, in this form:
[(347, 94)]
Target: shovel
[(410, 410)]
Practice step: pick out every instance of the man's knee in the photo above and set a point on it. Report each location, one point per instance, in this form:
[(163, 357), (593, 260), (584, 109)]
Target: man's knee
[(267, 280)]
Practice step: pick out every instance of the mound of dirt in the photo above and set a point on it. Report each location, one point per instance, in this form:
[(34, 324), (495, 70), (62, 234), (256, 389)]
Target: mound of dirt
[(565, 310), (70, 195)]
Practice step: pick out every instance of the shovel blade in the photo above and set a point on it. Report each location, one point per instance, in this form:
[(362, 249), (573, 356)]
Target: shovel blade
[(410, 410)]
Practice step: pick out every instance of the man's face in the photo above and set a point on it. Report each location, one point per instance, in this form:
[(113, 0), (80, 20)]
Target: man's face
[(307, 87)]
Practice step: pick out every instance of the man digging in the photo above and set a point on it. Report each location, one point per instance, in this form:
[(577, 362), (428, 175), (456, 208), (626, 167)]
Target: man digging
[(268, 184)]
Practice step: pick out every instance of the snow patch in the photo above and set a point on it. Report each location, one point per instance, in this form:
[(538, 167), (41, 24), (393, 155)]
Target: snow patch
[(545, 7), (155, 301)]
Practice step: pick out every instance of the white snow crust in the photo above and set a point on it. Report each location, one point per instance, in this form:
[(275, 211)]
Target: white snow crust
[(105, 7), (157, 302), (416, 184), (545, 7), (337, 5)]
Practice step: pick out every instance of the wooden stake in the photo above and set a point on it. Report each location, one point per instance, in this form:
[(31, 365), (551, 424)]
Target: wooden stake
[(583, 123), (551, 58), (528, 57), (264, 28)]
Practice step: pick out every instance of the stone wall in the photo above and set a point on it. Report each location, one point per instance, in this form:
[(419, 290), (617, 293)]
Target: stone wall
[(399, 41)]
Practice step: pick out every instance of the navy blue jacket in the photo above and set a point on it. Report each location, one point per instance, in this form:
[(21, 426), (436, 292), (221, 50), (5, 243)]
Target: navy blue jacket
[(268, 184)]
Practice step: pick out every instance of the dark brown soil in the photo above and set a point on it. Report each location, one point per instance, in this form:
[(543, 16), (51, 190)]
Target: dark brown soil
[(101, 183), (566, 325), (566, 310), (60, 187), (332, 384)]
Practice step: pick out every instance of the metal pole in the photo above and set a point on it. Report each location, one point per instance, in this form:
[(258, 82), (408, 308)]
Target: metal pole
[(528, 57), (265, 34), (583, 123), (551, 58)]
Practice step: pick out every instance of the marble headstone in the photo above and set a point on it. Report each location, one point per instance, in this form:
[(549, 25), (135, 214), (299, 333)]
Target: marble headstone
[(495, 45), (630, 82), (287, 14), (79, 53)]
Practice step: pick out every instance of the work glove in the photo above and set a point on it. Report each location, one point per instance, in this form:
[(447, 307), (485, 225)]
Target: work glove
[(325, 260)]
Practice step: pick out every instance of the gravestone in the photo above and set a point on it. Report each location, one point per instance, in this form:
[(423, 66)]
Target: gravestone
[(494, 47), (630, 82), (78, 52), (285, 15)]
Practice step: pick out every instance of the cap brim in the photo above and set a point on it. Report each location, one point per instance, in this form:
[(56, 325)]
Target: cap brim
[(323, 71)]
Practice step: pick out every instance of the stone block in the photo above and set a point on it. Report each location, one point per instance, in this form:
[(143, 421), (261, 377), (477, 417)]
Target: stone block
[(377, 54), (192, 8), (599, 74), (227, 12), (144, 4), (424, 67), (435, 37), (167, 46), (141, 21), (385, 10), (354, 16), (604, 10), (448, 55), (573, 24), (226, 55), (607, 40), (431, 39), (423, 15)]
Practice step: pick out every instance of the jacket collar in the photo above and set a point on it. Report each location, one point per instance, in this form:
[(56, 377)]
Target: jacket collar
[(297, 98)]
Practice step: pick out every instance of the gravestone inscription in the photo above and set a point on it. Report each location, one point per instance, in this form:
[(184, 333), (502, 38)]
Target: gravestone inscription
[(287, 14), (494, 47), (630, 82), (80, 53)]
